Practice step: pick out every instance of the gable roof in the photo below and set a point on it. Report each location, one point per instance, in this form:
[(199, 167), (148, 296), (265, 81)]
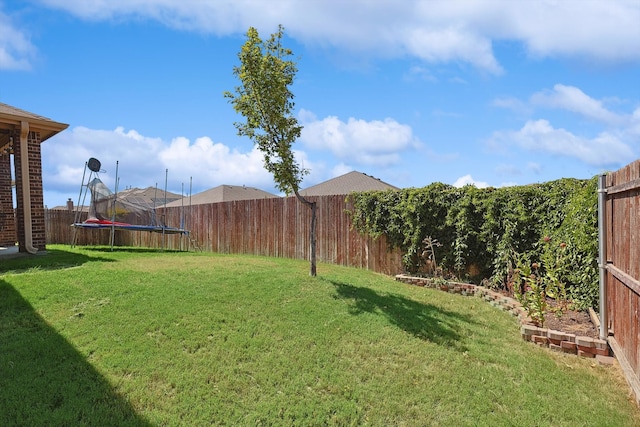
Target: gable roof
[(348, 183), (149, 197), (69, 208), (223, 193)]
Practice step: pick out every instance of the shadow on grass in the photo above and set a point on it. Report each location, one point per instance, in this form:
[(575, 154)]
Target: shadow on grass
[(53, 259), (424, 321), (43, 378), (130, 249)]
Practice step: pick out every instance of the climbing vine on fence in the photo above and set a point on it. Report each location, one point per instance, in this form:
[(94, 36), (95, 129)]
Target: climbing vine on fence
[(481, 229)]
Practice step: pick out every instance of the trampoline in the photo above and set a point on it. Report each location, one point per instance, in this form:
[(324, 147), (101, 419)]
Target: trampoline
[(107, 211)]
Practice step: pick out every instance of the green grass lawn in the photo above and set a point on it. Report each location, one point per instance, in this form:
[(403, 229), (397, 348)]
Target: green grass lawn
[(135, 337)]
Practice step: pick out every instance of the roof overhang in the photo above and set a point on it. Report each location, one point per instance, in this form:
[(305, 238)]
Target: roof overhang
[(11, 119)]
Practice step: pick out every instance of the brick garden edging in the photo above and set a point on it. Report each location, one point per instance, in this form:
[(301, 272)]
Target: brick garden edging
[(554, 340)]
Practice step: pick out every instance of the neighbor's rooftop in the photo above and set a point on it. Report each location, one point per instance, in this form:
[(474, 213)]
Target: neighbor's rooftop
[(348, 183)]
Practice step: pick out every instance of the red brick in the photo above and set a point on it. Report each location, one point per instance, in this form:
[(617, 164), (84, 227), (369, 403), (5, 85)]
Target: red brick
[(601, 344), (586, 355), (541, 340), (530, 330), (556, 335), (555, 347), (8, 235), (585, 341), (568, 347), (584, 349), (593, 350)]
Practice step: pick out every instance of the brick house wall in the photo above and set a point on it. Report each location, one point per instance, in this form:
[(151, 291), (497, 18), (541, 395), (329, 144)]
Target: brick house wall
[(7, 219), (35, 185)]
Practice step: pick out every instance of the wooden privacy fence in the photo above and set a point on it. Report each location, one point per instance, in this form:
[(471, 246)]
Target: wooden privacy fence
[(276, 227), (58, 230), (622, 275)]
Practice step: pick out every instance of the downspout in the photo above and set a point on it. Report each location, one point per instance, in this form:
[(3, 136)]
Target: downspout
[(26, 187), (602, 257)]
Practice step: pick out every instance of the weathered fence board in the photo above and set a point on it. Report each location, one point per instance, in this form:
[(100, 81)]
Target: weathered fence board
[(276, 227), (622, 230)]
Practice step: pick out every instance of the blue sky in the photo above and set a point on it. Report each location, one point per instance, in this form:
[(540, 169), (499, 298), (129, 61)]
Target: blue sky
[(412, 92)]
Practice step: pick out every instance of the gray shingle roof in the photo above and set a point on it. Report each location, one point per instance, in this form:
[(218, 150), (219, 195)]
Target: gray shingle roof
[(347, 183), (223, 193), (149, 197), (66, 208)]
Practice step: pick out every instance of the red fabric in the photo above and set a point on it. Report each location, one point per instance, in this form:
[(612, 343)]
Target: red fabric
[(104, 222)]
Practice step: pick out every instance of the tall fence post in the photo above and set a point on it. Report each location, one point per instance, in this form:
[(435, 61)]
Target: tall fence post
[(602, 256)]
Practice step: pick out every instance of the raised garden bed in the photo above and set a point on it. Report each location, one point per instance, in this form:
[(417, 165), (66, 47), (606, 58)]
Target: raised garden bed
[(566, 341)]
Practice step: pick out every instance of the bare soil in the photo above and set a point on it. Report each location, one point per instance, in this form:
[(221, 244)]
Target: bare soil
[(569, 321), (572, 322)]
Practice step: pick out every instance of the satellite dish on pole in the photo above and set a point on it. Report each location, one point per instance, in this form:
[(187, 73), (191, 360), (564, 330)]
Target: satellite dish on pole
[(94, 165)]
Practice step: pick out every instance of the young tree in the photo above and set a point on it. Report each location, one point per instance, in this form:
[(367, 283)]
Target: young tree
[(264, 99)]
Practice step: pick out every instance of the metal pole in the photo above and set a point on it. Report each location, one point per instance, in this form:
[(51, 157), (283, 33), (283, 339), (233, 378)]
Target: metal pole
[(154, 219), (181, 215), (164, 211), (190, 220), (76, 217), (113, 215), (602, 257)]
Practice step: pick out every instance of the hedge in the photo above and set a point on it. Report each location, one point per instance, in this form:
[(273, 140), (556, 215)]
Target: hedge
[(483, 230)]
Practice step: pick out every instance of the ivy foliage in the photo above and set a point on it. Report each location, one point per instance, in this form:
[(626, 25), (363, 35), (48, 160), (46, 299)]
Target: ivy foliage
[(483, 229)]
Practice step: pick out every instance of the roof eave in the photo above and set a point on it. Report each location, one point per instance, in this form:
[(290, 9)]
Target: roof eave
[(46, 127)]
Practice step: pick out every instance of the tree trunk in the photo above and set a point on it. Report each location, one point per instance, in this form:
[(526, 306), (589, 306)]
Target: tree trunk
[(312, 233)]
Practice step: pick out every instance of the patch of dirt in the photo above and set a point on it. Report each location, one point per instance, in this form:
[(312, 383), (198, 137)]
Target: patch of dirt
[(569, 321), (572, 322)]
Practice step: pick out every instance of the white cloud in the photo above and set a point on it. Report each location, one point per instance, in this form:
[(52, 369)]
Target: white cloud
[(538, 135), (16, 51), (340, 169), (573, 99), (594, 30), (634, 124), (376, 142), (451, 44), (143, 161), (65, 155), (435, 31), (214, 163), (468, 180), (614, 145)]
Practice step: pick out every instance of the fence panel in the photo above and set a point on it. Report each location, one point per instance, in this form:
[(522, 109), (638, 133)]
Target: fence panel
[(622, 230), (276, 227)]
